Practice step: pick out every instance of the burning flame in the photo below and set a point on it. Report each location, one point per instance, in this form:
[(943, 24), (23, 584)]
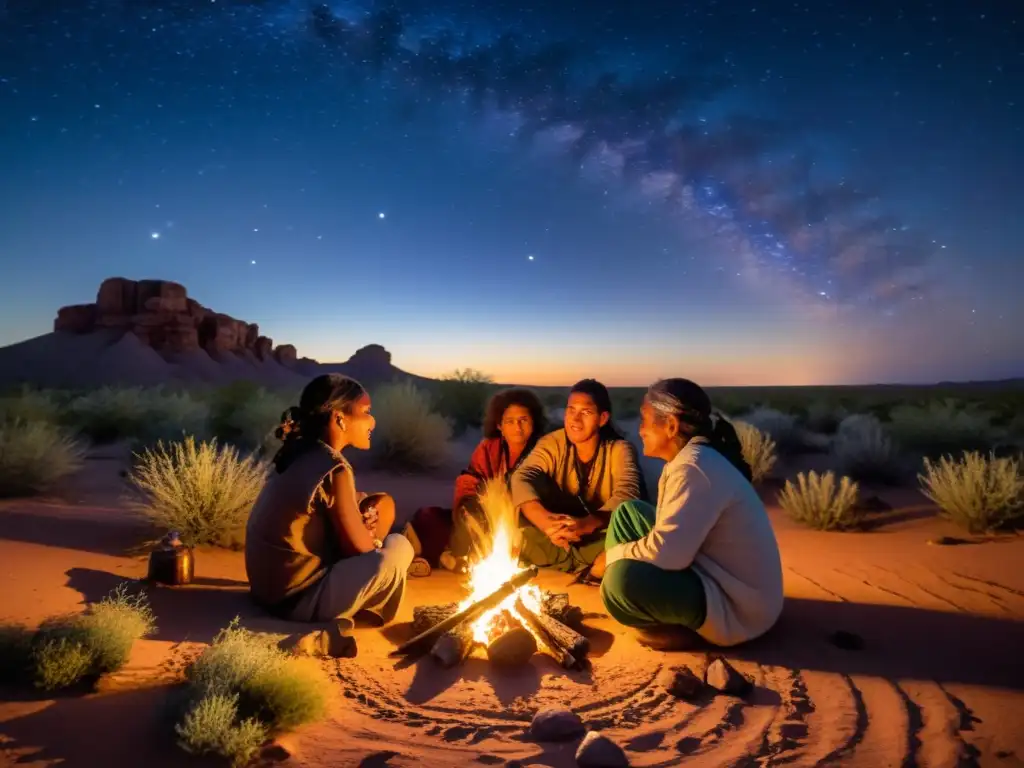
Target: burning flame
[(496, 559)]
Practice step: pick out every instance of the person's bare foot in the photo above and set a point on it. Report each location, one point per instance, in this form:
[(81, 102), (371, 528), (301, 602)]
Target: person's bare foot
[(669, 638)]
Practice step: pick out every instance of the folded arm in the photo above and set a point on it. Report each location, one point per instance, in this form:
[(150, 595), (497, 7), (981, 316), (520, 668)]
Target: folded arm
[(526, 481), (346, 516)]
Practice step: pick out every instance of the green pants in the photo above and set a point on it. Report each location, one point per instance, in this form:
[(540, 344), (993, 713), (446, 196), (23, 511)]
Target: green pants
[(640, 594), (538, 550)]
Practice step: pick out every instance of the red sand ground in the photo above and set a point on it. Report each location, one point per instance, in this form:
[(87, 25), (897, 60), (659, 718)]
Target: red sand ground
[(938, 683)]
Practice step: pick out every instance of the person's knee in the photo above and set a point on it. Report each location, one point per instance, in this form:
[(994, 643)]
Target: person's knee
[(621, 588), (398, 552)]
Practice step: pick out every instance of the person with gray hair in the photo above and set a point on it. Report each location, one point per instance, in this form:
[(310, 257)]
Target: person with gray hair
[(705, 560)]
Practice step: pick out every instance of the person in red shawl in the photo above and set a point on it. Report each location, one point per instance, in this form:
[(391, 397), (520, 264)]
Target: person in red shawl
[(513, 421)]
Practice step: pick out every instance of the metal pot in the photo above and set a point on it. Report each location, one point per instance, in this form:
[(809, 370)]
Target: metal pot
[(172, 562)]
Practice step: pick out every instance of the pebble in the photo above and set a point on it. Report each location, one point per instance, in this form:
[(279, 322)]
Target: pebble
[(597, 751), (724, 678), (556, 724)]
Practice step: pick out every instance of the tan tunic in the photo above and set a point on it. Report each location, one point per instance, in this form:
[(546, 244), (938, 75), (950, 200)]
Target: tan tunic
[(290, 542), (549, 475)]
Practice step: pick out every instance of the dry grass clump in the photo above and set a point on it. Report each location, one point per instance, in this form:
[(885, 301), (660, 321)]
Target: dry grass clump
[(242, 689), (941, 427), (35, 457), (758, 450), (201, 490), (69, 650), (862, 450), (979, 493), (409, 435), (110, 414), (821, 502)]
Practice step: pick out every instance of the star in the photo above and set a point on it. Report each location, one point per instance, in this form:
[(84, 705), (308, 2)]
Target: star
[(530, 257), (253, 261), (380, 215), (154, 235)]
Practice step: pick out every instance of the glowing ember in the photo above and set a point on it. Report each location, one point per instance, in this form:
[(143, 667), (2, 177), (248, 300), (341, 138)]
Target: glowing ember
[(499, 562)]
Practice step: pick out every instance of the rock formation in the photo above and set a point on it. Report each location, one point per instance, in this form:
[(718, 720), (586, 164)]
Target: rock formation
[(162, 316)]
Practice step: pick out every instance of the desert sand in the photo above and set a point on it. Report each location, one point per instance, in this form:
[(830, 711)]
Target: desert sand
[(939, 681)]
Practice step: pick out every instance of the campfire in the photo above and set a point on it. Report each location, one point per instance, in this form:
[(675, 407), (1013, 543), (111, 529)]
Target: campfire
[(504, 614)]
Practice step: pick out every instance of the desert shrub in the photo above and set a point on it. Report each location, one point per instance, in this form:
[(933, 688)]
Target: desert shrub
[(625, 403), (941, 427), (409, 435), (824, 417), (862, 450), (109, 414), (758, 450), (201, 490), (245, 414), (461, 397), (979, 493), (35, 457), (30, 406), (820, 502), (780, 427), (241, 689), (69, 649)]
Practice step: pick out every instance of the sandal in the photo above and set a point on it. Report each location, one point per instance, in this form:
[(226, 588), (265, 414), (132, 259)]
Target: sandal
[(419, 568)]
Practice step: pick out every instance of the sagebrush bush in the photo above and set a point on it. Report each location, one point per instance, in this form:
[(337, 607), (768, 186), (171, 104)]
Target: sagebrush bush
[(241, 689), (35, 457), (862, 450), (201, 490), (821, 502), (977, 492), (461, 397), (66, 650), (409, 434), (109, 414), (824, 417), (246, 415), (781, 427), (758, 450), (941, 427), (30, 406)]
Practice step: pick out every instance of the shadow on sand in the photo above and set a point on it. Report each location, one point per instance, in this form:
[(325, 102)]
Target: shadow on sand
[(59, 526), (899, 641)]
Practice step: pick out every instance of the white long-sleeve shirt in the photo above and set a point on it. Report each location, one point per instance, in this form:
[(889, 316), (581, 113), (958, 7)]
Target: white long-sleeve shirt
[(710, 518)]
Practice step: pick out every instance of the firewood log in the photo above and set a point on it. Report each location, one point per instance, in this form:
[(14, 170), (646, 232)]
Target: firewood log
[(557, 605), (546, 643), (426, 616), (454, 646), (565, 638), (425, 640)]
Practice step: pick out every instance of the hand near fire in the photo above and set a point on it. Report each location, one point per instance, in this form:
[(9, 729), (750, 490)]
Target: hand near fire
[(560, 529)]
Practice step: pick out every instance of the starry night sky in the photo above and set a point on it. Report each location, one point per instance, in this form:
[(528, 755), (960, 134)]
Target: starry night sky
[(741, 193)]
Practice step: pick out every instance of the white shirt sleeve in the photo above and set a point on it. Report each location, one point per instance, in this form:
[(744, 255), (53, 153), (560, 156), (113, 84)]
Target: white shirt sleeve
[(687, 511)]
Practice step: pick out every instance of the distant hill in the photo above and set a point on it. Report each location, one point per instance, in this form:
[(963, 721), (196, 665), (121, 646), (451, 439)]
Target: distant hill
[(149, 332)]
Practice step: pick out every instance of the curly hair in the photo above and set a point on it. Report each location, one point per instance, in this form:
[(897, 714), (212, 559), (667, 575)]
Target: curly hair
[(500, 402)]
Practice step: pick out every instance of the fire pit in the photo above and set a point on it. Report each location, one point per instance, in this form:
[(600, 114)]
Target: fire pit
[(504, 613)]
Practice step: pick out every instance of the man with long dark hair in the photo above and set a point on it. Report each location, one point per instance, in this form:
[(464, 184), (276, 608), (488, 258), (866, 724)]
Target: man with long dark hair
[(572, 481)]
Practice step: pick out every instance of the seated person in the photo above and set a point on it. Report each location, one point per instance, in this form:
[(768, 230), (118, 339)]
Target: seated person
[(706, 560), (513, 421), (314, 551), (573, 479)]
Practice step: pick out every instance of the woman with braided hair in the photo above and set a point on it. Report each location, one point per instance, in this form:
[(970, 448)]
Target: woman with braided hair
[(706, 559), (315, 549)]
